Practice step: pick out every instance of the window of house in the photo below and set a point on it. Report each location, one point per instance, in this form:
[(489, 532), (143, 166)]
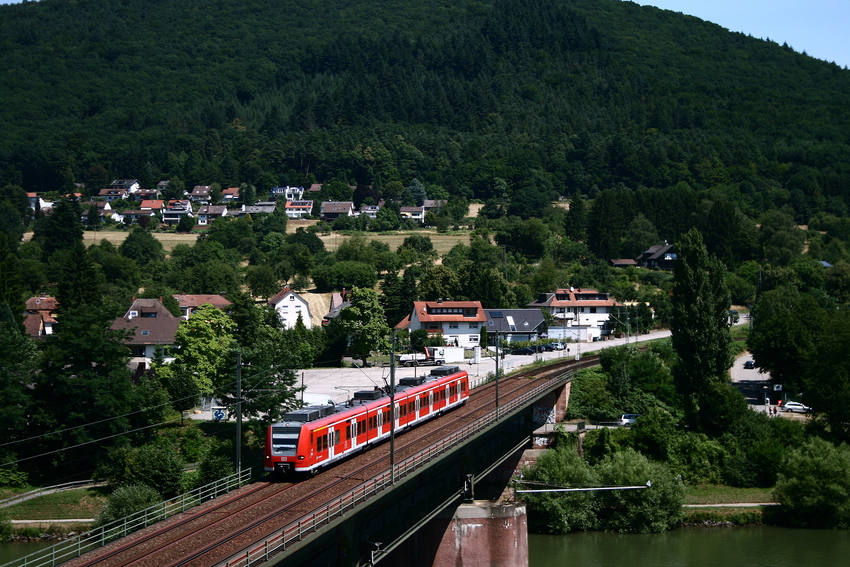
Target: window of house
[(473, 325), (453, 325), (593, 309)]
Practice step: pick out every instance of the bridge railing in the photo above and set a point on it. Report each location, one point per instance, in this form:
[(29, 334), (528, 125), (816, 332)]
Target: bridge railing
[(297, 530), (100, 536)]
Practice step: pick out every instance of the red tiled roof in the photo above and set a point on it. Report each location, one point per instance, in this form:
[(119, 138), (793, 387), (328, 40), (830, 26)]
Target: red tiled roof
[(425, 311), (33, 323), (147, 330), (42, 303), (280, 295), (188, 300), (404, 323)]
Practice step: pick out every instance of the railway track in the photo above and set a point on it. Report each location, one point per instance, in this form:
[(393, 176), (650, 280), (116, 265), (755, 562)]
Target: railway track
[(217, 532)]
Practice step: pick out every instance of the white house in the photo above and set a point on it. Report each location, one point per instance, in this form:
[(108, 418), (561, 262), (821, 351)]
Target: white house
[(153, 329), (299, 209), (289, 306), (287, 193), (175, 209), (130, 185), (582, 314), (457, 322), (208, 213), (413, 213)]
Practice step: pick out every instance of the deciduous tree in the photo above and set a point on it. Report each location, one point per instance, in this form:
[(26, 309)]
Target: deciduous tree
[(365, 324)]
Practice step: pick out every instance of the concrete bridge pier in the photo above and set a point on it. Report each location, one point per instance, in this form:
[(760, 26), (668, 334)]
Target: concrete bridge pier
[(481, 533), (552, 408)]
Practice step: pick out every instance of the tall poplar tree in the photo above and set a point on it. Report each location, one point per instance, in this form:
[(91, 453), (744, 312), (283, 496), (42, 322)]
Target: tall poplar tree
[(700, 324)]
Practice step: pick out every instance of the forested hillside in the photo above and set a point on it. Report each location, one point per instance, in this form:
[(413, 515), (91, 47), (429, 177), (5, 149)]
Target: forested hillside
[(553, 97)]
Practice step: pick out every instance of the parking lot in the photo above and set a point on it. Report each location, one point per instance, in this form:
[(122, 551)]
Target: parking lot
[(339, 384)]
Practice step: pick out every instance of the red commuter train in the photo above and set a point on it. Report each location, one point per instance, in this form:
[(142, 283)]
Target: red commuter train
[(316, 436)]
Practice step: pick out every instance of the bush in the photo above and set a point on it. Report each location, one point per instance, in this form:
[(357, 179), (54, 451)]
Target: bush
[(561, 512), (153, 465), (125, 501), (212, 468), (814, 485), (158, 467), (654, 509), (6, 531)]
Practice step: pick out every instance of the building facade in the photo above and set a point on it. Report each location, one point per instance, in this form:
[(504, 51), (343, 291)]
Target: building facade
[(457, 322)]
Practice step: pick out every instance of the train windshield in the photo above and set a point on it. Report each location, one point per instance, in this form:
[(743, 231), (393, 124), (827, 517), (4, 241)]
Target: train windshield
[(285, 439)]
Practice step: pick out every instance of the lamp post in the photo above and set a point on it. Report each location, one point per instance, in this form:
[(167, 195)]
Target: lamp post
[(498, 354), (392, 410), (238, 412)]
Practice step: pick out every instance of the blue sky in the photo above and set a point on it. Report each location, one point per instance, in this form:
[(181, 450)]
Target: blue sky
[(818, 27), (821, 28)]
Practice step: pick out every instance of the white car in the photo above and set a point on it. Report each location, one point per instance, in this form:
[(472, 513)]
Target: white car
[(627, 419), (795, 406)]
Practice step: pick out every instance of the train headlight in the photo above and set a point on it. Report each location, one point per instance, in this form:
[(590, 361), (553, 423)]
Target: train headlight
[(300, 457)]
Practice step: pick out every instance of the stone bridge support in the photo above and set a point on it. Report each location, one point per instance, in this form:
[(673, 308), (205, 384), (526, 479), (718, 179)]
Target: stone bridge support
[(552, 408)]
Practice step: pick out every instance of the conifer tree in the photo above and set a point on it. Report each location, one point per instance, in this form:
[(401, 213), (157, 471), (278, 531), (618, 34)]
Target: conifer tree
[(699, 324)]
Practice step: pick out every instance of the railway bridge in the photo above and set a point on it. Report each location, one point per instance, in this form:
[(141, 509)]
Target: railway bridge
[(376, 520), (392, 504)]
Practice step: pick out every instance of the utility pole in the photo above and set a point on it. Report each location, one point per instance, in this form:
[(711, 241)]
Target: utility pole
[(238, 412), (498, 355), (392, 410)]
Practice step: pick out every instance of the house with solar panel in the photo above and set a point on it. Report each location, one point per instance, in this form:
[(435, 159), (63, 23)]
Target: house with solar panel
[(516, 325)]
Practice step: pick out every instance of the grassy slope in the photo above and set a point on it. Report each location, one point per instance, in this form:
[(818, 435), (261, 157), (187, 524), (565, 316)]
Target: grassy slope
[(71, 504)]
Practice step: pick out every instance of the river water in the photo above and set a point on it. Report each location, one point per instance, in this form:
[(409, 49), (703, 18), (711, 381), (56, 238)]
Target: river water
[(756, 546), (10, 551)]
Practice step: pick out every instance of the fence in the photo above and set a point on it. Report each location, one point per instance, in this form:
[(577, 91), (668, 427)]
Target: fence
[(18, 498), (100, 536)]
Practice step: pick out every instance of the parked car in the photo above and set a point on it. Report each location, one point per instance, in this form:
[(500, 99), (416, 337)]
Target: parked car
[(559, 346), (545, 347), (524, 350), (795, 407), (750, 364), (627, 419)]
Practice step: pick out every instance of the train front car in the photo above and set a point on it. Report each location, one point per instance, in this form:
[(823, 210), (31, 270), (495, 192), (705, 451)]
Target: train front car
[(288, 441)]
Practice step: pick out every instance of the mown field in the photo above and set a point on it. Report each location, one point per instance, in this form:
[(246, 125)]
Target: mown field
[(443, 242)]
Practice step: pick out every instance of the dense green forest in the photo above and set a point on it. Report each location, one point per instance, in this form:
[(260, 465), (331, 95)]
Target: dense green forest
[(553, 97)]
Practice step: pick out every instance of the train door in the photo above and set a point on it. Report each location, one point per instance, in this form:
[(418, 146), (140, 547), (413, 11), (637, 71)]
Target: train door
[(351, 434), (416, 410)]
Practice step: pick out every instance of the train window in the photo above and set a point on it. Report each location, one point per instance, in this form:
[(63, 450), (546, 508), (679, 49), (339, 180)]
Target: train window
[(336, 438)]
